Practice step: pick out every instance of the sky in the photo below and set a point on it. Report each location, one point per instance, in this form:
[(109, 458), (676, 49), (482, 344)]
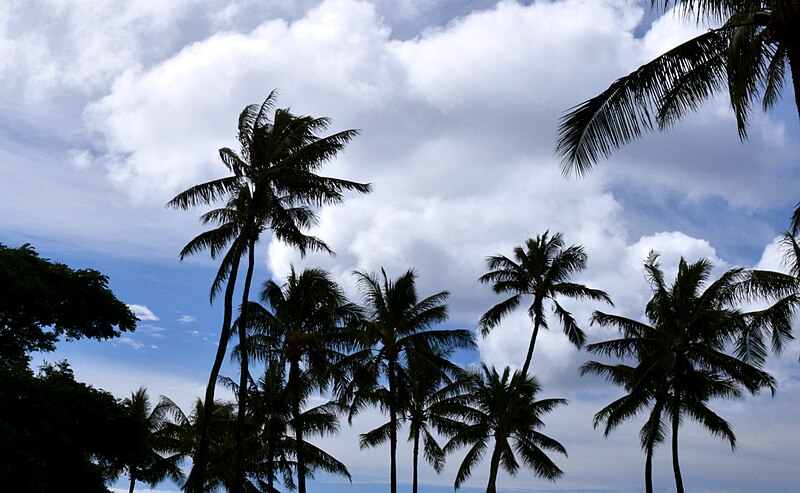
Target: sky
[(111, 108)]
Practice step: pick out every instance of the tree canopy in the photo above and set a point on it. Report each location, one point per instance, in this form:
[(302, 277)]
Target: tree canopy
[(41, 300)]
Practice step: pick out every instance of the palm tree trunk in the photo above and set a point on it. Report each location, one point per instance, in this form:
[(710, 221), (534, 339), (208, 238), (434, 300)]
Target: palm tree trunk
[(676, 467), (648, 470), (655, 418), (392, 428), (415, 464), (494, 467), (133, 483), (294, 380), (244, 372), (529, 357), (196, 481)]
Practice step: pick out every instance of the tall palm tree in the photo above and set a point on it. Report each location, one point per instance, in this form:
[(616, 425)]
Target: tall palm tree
[(504, 408), (398, 323), (303, 325), (541, 270), (681, 363), (431, 376), (147, 464), (275, 185), (421, 384), (748, 54)]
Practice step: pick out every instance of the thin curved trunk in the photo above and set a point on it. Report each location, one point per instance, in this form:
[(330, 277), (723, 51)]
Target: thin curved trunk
[(392, 428), (676, 467), (415, 464), (294, 380), (494, 467), (655, 417), (133, 483), (529, 357), (196, 481), (244, 371), (648, 470)]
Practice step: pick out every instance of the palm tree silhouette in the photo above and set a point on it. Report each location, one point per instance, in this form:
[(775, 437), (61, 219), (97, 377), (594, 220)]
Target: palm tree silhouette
[(681, 363), (541, 270), (147, 464), (303, 324), (502, 408), (274, 186), (397, 324)]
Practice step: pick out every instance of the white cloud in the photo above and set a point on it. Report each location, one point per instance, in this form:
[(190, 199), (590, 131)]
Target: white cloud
[(129, 341), (143, 313), (186, 319)]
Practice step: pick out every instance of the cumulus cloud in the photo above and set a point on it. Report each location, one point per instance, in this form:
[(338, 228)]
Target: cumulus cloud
[(186, 319)]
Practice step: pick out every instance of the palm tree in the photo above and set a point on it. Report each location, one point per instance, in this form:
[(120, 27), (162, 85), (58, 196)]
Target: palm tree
[(274, 186), (681, 363), (271, 409), (430, 378), (748, 54), (421, 385), (542, 270), (146, 464), (503, 408), (398, 323), (303, 326), (271, 449), (186, 433)]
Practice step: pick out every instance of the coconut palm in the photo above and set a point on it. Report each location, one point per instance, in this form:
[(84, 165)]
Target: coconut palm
[(147, 464), (421, 385), (271, 448), (397, 324), (681, 363), (541, 270), (185, 434), (271, 409), (748, 54), (303, 325), (274, 186), (500, 408), (430, 378)]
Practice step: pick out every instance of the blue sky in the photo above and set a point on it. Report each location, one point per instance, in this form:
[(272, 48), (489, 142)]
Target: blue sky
[(109, 109)]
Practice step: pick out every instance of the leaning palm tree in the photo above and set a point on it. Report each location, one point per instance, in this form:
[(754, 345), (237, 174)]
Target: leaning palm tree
[(303, 325), (541, 270), (747, 55), (147, 464), (398, 323), (681, 359), (500, 408), (274, 185)]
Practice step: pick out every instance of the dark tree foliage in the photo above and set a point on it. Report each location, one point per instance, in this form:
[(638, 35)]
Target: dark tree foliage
[(59, 435), (41, 300)]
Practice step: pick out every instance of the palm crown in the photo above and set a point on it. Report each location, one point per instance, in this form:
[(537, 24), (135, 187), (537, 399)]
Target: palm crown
[(541, 270)]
